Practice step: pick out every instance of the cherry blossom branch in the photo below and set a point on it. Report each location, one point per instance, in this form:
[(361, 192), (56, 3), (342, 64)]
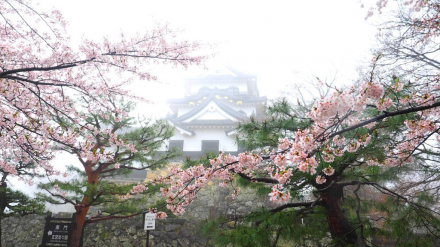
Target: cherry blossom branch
[(383, 116), (388, 192), (421, 143), (34, 82), (39, 15), (264, 180), (52, 68), (30, 27)]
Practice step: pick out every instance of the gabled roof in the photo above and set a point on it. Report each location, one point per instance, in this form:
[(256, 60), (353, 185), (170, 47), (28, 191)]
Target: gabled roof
[(219, 95), (231, 132), (218, 99), (194, 111), (179, 127), (186, 128), (239, 116), (189, 121)]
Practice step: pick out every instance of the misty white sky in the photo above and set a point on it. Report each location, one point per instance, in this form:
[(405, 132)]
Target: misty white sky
[(281, 41)]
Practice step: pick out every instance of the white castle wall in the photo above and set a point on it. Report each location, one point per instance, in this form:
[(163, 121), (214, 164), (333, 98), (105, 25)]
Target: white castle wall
[(194, 143)]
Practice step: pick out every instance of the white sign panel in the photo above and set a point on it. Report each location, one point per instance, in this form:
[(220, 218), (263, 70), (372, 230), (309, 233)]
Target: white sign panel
[(150, 221)]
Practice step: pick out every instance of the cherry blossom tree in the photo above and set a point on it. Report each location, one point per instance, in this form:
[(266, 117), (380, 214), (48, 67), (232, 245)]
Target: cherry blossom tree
[(383, 124), (119, 147), (49, 90)]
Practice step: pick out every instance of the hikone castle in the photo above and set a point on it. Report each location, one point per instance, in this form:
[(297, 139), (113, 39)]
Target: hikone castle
[(214, 104), (205, 119)]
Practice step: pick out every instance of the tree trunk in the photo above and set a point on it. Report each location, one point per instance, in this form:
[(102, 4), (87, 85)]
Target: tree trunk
[(340, 228), (78, 227), (82, 210)]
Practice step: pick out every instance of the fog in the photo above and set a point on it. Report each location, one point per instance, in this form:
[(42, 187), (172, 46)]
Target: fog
[(282, 42)]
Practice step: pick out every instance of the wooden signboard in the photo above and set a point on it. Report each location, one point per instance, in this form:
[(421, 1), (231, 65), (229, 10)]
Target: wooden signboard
[(57, 231), (149, 221)]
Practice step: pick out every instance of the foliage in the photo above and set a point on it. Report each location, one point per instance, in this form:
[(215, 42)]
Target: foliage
[(58, 98), (92, 185), (42, 77), (365, 156), (264, 228), (16, 203), (279, 120)]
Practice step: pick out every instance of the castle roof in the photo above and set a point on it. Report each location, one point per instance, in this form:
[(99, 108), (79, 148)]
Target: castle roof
[(216, 100), (223, 77), (222, 97)]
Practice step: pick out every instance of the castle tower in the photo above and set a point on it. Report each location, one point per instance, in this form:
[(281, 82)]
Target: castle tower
[(215, 103)]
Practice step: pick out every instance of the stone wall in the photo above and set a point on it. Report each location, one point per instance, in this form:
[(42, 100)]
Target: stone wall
[(27, 231), (130, 233), (22, 231), (215, 201), (212, 202)]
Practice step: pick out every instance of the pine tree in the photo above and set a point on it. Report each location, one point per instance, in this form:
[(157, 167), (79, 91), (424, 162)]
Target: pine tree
[(42, 78), (90, 189), (361, 204), (368, 153)]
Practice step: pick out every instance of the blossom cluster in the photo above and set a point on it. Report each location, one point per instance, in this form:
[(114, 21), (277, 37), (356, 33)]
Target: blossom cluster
[(313, 151), (158, 214), (184, 184), (318, 145), (48, 88), (340, 103), (279, 194)]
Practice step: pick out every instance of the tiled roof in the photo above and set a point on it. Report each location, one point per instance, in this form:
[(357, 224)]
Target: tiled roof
[(211, 93), (240, 116)]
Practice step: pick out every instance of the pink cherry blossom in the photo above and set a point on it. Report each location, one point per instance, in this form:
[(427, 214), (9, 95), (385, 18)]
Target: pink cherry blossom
[(43, 78), (347, 120), (279, 195), (329, 171), (161, 215), (320, 179)]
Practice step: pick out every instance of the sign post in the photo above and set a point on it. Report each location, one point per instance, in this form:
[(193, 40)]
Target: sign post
[(57, 231), (149, 224)]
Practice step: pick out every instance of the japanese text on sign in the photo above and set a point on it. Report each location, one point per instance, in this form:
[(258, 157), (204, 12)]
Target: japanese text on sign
[(150, 221)]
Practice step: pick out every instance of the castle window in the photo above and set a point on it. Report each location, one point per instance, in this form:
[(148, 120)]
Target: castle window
[(175, 144), (210, 146)]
